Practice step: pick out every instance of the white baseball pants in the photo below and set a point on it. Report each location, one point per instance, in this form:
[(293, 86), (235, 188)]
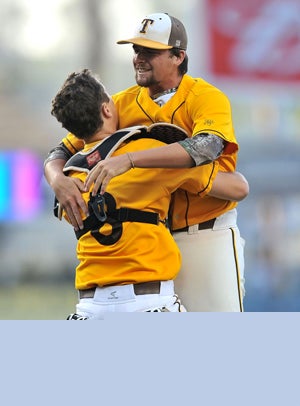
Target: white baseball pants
[(211, 278), (123, 299)]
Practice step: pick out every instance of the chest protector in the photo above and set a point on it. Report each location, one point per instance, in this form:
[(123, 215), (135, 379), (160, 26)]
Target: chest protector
[(103, 208)]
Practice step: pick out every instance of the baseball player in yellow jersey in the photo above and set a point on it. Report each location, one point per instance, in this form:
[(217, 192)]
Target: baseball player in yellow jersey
[(212, 274), (127, 256)]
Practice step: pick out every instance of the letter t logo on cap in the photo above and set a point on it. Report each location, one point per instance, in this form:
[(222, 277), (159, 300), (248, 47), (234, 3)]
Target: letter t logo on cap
[(145, 24)]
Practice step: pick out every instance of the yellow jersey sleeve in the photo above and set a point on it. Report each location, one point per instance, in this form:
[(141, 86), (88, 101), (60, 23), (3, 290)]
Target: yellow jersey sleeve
[(72, 143)]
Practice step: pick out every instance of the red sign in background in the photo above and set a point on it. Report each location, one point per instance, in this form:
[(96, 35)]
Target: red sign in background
[(257, 39)]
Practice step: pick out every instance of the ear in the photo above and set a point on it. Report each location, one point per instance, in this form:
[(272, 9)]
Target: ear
[(181, 56), (178, 59), (105, 110)]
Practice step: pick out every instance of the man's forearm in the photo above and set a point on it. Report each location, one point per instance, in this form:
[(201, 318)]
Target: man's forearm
[(230, 186), (169, 156), (55, 161), (198, 150)]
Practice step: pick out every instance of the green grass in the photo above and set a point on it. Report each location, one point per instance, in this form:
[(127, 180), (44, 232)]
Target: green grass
[(47, 301)]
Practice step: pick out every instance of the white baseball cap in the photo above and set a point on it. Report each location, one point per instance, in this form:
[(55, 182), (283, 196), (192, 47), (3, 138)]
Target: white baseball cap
[(159, 31)]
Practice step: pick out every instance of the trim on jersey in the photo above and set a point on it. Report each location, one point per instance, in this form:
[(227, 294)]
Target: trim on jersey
[(137, 102), (186, 217), (72, 146), (237, 270), (187, 208), (172, 118), (208, 183)]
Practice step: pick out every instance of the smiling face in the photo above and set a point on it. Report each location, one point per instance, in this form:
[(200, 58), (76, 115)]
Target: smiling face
[(156, 69)]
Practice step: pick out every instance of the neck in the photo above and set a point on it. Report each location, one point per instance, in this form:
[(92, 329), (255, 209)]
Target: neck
[(160, 89), (157, 95), (102, 133)]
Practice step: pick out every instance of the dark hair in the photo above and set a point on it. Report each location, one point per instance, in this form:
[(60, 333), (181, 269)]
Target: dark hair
[(183, 67), (77, 105)]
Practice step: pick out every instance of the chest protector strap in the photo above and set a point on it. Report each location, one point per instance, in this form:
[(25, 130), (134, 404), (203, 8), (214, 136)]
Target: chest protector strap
[(99, 215)]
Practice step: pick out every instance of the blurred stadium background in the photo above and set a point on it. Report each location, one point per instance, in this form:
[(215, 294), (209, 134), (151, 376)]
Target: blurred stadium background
[(251, 50)]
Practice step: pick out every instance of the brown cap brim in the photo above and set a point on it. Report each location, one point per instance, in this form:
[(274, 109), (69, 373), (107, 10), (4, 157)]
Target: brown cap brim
[(144, 42)]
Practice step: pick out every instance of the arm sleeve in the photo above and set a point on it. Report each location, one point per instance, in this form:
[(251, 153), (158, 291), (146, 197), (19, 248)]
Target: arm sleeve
[(203, 148), (59, 152), (67, 148)]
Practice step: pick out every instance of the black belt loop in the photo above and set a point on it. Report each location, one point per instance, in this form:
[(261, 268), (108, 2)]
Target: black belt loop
[(205, 225)]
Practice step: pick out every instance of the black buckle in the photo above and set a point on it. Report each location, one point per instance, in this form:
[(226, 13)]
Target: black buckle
[(97, 203)]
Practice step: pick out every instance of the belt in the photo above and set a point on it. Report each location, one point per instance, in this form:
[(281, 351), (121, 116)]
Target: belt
[(201, 226), (144, 288)]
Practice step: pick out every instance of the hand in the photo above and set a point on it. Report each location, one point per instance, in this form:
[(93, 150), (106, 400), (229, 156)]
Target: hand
[(104, 171), (68, 192)]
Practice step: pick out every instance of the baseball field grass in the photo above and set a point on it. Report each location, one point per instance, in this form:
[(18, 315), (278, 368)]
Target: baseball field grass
[(38, 301)]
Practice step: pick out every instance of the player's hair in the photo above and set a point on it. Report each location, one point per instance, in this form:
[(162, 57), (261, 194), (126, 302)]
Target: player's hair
[(183, 67), (77, 105)]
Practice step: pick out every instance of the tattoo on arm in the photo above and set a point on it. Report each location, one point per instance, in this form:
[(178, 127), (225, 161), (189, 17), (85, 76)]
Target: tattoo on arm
[(203, 148)]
